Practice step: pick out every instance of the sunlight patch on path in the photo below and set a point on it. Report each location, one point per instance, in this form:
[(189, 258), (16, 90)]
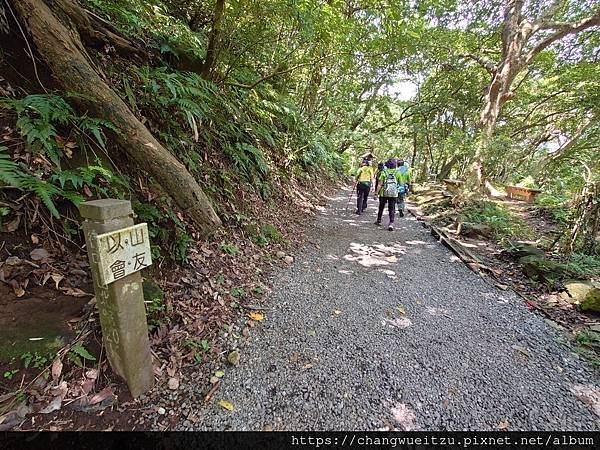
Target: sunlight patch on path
[(400, 322), (374, 255)]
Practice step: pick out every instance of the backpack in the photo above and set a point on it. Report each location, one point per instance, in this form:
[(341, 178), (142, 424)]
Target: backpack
[(390, 184)]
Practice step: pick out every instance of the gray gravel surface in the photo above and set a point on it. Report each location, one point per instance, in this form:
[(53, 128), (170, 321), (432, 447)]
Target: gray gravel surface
[(372, 329)]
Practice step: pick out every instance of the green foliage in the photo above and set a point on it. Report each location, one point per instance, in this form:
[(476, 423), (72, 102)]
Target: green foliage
[(588, 345), (238, 292), (152, 20), (263, 235), (36, 360), (583, 266), (556, 206), (166, 231), (500, 220), (258, 290), (528, 182), (271, 233), (9, 374), (40, 119), (230, 249), (155, 311), (78, 354), (199, 347)]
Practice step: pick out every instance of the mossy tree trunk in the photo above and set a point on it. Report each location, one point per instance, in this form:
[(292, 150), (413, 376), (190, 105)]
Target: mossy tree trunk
[(58, 32)]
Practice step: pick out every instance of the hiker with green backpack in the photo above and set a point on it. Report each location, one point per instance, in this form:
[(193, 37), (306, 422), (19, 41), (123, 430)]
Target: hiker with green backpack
[(404, 185), (389, 179)]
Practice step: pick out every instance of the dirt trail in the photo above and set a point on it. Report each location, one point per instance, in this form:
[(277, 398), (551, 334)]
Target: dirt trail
[(373, 329)]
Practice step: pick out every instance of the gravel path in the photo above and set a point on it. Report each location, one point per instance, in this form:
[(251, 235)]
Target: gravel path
[(373, 329)]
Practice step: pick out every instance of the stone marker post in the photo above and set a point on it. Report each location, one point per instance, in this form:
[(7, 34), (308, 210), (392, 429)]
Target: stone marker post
[(109, 232)]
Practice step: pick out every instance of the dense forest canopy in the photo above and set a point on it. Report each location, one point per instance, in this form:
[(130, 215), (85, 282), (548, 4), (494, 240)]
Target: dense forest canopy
[(490, 92)]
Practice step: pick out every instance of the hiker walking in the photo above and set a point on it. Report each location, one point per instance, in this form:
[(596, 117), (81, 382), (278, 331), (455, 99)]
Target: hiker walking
[(389, 179), (404, 184), (364, 179)]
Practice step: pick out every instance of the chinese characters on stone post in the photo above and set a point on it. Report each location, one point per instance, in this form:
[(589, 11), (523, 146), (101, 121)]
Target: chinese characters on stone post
[(122, 252)]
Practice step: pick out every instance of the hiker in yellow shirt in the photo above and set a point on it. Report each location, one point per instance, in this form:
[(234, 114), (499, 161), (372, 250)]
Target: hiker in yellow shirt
[(364, 179)]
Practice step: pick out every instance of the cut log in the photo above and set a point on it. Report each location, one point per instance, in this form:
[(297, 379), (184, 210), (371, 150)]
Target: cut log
[(59, 43)]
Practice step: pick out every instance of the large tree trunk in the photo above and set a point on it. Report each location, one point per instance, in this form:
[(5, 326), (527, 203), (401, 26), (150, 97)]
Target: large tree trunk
[(447, 167), (61, 48), (517, 52), (498, 91)]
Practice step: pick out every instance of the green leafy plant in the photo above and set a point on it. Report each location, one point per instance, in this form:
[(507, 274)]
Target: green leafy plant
[(583, 266), (230, 249), (166, 231), (35, 360), (78, 354), (9, 374), (556, 206), (38, 117), (238, 292), (199, 347), (500, 220)]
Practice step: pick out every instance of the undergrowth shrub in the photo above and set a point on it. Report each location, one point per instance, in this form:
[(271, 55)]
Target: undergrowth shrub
[(583, 266), (501, 221), (555, 206), (52, 131), (167, 232)]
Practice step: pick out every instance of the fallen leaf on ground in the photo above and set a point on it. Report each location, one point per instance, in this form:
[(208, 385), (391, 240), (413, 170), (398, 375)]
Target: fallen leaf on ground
[(17, 289), (258, 316), (60, 390), (521, 350), (57, 278), (401, 322), (54, 405), (75, 292), (87, 386), (503, 425), (57, 367), (13, 225), (226, 405), (337, 312), (219, 374), (401, 310), (102, 395), (39, 254)]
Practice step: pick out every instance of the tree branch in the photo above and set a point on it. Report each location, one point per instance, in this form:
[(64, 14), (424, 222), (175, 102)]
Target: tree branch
[(403, 116), (562, 30), (483, 62), (276, 73)]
